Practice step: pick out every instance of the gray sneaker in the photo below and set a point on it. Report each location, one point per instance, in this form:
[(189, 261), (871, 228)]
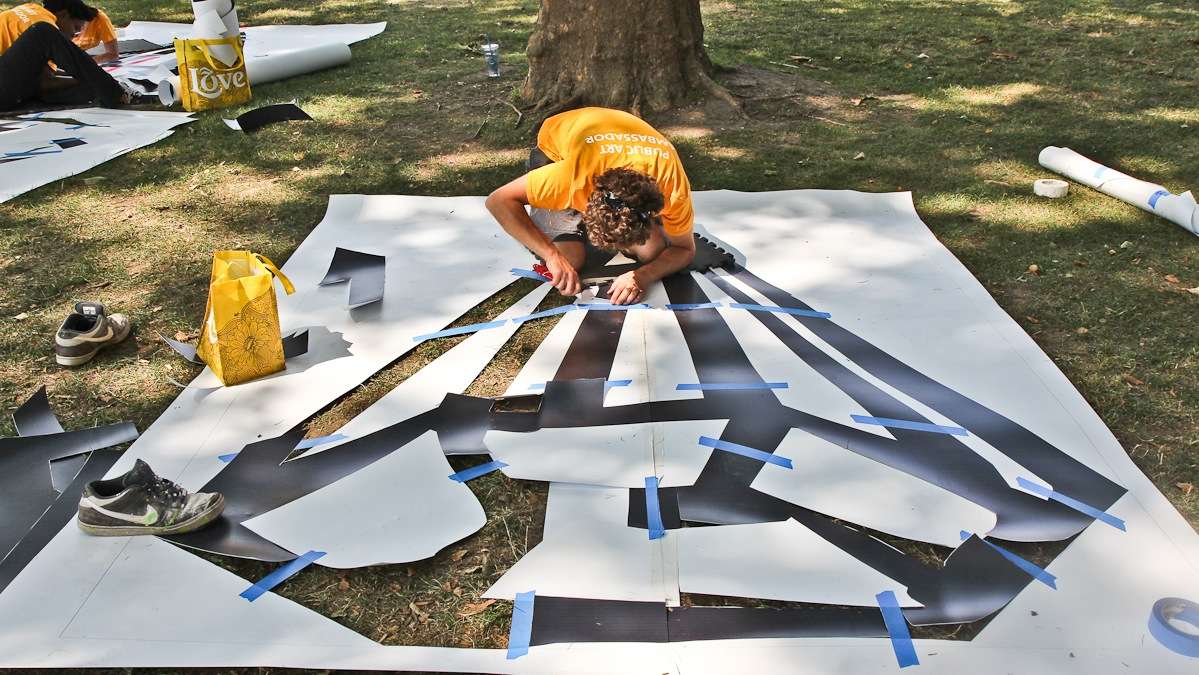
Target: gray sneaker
[(141, 502), (86, 332)]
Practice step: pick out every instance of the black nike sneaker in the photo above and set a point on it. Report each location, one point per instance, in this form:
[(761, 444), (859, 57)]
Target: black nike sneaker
[(140, 502), (85, 332)]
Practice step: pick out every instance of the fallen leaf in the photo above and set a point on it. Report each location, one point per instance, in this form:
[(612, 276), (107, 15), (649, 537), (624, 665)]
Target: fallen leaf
[(922, 55), (980, 40), (473, 570), (343, 585), (860, 155), (475, 608), (1185, 487), (1194, 290), (1126, 244), (21, 317), (1132, 379), (800, 58), (458, 555), (183, 337), (1003, 56), (863, 99), (1034, 269), (1033, 319), (1170, 278), (1081, 330), (420, 613)]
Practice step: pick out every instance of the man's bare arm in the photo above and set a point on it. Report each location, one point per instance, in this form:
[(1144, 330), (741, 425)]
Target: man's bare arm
[(507, 205), (679, 253)]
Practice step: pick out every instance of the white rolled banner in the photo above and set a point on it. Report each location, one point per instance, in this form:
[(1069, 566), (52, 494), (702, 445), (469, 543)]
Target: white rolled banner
[(209, 26), (168, 91), (1181, 209), (1051, 188), (280, 66)]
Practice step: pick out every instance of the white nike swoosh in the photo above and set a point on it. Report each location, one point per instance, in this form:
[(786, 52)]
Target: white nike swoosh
[(148, 518)]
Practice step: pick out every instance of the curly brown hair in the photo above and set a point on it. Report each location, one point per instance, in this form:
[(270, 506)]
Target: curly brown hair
[(623, 209)]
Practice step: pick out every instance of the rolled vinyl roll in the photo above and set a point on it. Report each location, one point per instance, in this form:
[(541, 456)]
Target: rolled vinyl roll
[(168, 91), (1180, 209), (283, 65)]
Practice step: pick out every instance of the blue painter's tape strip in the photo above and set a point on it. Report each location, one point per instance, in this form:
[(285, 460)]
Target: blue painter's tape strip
[(528, 274), (1169, 636), (549, 312), (907, 424), (1156, 196), (280, 575), (728, 386), (476, 471), (695, 305), (612, 308), (745, 451), (228, 458), (460, 330), (608, 384), (653, 511), (897, 628), (32, 153), (1072, 503), (322, 440), (1037, 573), (522, 625), (783, 310)]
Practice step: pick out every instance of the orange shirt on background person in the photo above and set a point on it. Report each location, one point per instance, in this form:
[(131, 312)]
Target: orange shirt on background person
[(587, 142), (17, 20), (96, 32)]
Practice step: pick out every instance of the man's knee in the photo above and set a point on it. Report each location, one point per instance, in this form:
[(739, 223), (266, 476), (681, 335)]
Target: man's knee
[(41, 31), (574, 252)]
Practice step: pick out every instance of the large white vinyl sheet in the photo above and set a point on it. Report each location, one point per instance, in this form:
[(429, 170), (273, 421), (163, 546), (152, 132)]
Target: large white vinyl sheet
[(30, 157), (866, 259)]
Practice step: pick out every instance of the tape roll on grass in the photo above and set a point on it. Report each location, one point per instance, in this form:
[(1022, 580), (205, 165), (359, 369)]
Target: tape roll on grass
[(1051, 188)]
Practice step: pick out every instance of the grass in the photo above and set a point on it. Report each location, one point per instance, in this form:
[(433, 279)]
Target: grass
[(948, 99)]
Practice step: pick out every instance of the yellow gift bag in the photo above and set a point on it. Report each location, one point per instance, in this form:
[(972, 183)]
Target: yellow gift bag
[(241, 339), (205, 81)]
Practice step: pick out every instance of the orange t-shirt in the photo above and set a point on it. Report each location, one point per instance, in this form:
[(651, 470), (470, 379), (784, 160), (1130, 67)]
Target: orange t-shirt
[(96, 32), (18, 20), (585, 143)]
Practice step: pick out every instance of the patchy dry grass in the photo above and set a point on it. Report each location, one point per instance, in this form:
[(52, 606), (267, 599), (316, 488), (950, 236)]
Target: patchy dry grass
[(951, 100)]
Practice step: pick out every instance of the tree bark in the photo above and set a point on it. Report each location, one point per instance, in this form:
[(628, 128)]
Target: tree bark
[(637, 55)]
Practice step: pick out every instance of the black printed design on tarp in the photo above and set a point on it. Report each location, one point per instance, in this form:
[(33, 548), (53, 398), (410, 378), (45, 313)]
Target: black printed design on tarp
[(39, 469), (137, 46), (366, 273), (975, 581)]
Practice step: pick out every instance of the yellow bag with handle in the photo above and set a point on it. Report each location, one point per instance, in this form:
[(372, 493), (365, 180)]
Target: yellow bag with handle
[(205, 81), (241, 339)]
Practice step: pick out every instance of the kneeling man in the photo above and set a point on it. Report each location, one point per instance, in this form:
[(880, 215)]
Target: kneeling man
[(607, 178)]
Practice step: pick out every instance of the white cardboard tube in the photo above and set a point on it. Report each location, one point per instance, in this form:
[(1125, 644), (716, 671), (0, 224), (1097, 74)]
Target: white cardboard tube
[(209, 26), (283, 65), (1181, 210), (168, 91)]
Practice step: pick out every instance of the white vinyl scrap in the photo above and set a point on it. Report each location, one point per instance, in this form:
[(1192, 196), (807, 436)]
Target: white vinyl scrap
[(824, 474), (401, 508), (865, 258), (620, 455), (108, 134), (1180, 209), (589, 551), (777, 561), (651, 337)]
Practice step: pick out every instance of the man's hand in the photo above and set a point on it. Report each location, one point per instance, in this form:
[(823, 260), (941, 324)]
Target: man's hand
[(626, 289), (565, 278)]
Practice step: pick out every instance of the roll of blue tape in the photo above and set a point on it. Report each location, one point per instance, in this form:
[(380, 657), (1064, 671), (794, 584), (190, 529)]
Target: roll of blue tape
[(1170, 636)]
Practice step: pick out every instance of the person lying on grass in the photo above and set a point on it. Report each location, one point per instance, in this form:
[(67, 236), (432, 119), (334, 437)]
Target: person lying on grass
[(605, 179), (33, 35)]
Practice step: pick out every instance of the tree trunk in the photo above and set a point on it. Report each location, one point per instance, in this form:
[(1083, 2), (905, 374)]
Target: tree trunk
[(636, 55)]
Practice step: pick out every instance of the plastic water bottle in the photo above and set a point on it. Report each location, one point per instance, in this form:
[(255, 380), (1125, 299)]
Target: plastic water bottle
[(491, 54)]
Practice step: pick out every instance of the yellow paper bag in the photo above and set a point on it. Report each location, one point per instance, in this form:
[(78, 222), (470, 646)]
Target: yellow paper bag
[(205, 82), (241, 339)]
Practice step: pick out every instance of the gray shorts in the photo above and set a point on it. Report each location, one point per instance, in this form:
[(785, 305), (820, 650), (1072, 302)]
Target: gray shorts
[(564, 225)]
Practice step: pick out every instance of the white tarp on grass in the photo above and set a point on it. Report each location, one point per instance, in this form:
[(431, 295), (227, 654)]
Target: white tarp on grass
[(40, 151), (867, 259)]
